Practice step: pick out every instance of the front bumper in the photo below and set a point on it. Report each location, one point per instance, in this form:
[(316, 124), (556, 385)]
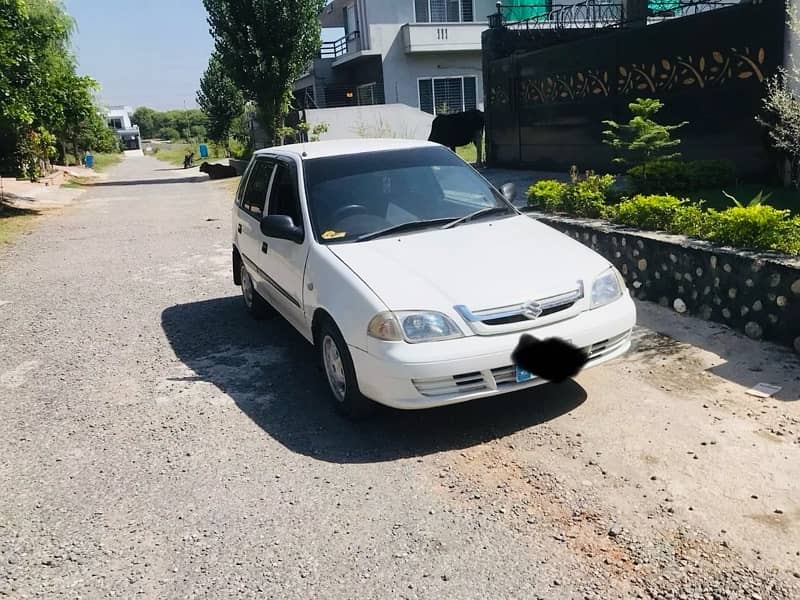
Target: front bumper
[(414, 376)]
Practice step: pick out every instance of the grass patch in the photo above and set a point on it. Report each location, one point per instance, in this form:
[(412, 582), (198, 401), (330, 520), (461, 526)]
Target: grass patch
[(103, 161), (782, 198), (470, 153), (14, 221), (174, 154)]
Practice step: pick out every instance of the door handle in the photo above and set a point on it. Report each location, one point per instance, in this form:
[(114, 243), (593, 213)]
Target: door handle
[(240, 228), (264, 247)]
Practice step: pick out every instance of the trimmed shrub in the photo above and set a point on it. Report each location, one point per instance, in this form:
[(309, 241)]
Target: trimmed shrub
[(547, 193), (757, 227), (583, 197), (681, 177), (587, 197), (648, 212)]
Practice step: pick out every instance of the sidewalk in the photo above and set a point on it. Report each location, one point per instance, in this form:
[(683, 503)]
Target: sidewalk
[(48, 193)]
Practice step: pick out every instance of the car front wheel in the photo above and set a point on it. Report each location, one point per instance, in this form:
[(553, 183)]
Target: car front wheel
[(340, 373)]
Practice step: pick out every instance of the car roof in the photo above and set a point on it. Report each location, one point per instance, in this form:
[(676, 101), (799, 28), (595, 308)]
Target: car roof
[(344, 147)]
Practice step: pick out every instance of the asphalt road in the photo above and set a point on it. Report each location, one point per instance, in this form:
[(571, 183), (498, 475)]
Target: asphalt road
[(157, 443)]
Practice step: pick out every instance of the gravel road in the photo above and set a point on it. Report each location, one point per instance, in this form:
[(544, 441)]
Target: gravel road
[(157, 443)]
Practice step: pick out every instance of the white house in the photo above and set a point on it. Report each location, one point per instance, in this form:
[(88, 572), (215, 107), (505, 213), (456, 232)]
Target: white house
[(119, 119), (422, 53)]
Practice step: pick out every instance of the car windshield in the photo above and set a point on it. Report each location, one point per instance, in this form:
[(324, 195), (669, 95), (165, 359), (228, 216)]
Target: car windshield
[(361, 196)]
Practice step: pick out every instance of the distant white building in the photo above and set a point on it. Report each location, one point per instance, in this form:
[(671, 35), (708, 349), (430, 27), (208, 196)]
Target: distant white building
[(119, 119)]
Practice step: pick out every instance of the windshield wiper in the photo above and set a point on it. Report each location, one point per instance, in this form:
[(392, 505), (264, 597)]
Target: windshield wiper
[(409, 226), (484, 212)]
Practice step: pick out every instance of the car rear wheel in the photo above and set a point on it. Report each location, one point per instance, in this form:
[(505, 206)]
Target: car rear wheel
[(341, 375), (253, 301)]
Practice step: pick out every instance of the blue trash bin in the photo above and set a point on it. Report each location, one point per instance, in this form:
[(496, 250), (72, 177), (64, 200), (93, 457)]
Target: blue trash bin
[(88, 160), (203, 151)]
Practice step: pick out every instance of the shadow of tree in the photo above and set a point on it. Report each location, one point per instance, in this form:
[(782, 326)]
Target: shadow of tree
[(271, 374)]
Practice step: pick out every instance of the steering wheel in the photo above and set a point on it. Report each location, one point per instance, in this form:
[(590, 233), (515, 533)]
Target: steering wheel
[(346, 211)]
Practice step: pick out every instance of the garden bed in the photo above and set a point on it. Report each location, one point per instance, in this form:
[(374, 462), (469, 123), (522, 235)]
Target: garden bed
[(757, 293)]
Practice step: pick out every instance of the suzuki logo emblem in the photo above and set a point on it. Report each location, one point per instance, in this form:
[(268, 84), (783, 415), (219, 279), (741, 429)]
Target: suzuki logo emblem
[(532, 310)]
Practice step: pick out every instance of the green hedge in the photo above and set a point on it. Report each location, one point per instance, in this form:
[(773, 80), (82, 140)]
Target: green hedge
[(758, 227), (682, 177), (584, 196), (754, 227)]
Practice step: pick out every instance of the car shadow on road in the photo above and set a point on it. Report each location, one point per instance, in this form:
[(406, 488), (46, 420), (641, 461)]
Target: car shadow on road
[(270, 372)]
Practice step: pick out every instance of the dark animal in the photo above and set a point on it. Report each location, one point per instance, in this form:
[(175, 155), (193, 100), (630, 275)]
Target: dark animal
[(188, 159), (459, 129), (216, 171), (551, 359)]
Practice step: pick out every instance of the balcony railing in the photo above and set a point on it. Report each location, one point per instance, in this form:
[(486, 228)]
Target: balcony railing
[(340, 47), (587, 14), (599, 14)]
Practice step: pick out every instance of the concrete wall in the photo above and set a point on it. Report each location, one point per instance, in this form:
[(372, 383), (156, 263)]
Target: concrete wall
[(381, 120), (758, 294)]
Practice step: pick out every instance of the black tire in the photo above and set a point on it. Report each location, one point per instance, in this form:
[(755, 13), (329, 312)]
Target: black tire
[(253, 301), (349, 401)]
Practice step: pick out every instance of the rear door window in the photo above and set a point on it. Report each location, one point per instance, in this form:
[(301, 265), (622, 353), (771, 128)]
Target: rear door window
[(255, 193)]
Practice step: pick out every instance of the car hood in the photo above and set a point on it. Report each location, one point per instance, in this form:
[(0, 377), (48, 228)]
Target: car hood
[(483, 265)]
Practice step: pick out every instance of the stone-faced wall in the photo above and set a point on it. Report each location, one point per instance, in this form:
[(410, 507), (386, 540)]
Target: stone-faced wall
[(758, 294)]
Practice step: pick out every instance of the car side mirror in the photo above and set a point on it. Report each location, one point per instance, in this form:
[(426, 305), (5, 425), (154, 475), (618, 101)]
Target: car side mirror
[(509, 191), (281, 227)]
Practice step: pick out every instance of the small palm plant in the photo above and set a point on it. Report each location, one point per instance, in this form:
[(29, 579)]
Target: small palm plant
[(757, 200)]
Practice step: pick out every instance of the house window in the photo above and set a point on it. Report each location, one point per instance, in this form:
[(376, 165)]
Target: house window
[(444, 11), (115, 123), (443, 95)]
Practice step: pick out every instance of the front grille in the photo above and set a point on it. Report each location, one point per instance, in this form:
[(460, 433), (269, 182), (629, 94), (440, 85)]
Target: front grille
[(495, 321), (519, 318), (445, 386)]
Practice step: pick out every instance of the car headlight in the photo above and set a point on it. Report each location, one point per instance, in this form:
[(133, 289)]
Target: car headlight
[(413, 327), (607, 288)]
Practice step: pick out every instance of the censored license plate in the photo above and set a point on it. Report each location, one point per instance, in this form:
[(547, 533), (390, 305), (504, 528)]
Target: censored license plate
[(523, 375)]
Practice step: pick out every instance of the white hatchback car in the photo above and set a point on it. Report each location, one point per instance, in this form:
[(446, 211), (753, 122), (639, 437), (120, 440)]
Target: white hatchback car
[(411, 274)]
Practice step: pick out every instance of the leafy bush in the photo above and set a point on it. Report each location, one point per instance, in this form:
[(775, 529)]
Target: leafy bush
[(758, 227), (648, 212), (586, 197), (548, 193), (681, 177)]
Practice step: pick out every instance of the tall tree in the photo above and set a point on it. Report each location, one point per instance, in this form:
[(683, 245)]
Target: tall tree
[(265, 46), (220, 99), (781, 106)]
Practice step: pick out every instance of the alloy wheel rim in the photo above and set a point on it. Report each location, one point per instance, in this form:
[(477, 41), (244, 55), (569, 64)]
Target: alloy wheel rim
[(334, 368)]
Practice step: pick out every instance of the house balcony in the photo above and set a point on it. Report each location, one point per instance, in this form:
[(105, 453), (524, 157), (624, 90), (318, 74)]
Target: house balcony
[(346, 50), (442, 37)]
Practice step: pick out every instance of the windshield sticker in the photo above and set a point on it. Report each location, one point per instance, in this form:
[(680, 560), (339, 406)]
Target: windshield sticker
[(332, 235)]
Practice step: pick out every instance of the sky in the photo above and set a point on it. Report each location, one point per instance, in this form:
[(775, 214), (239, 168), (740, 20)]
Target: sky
[(144, 52)]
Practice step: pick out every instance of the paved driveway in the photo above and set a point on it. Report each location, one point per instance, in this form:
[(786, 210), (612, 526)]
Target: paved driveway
[(156, 443)]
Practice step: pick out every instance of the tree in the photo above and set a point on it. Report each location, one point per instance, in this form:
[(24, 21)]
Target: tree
[(169, 133), (782, 108), (43, 96), (145, 118), (265, 45), (220, 100), (642, 139)]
